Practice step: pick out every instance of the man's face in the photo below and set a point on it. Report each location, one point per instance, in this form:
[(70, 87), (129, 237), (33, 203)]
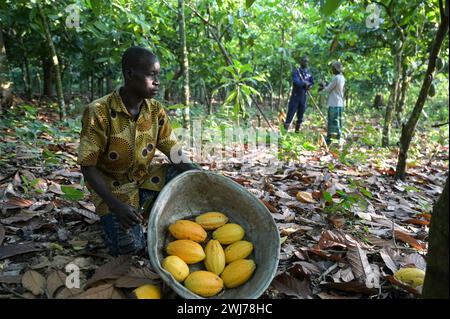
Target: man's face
[(304, 62), (144, 80)]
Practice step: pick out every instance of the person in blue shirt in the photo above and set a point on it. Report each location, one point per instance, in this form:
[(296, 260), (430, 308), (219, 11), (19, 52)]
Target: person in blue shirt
[(302, 82)]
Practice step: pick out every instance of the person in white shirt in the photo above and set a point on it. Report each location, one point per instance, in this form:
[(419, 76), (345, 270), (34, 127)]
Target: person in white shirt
[(335, 102)]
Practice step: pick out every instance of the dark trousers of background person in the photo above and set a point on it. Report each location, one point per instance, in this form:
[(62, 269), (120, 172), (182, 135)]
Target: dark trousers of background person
[(297, 104)]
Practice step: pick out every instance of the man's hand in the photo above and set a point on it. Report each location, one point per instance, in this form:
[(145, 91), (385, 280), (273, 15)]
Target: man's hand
[(308, 85), (321, 86), (126, 215)]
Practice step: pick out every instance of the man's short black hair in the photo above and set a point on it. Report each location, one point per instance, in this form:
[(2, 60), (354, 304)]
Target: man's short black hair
[(133, 57)]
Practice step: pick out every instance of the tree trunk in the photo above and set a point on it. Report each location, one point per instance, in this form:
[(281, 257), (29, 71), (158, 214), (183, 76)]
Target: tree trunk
[(280, 91), (402, 96), (379, 101), (184, 62), (59, 89), (47, 68), (100, 87), (392, 98), (5, 83), (436, 277), (409, 128), (26, 73), (92, 87), (109, 84)]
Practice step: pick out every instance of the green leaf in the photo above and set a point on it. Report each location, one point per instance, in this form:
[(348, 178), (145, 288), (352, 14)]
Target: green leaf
[(72, 193), (329, 7), (366, 193), (327, 196)]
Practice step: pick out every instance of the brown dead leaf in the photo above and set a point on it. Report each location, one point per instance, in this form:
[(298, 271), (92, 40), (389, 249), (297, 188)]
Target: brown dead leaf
[(358, 261), (337, 220), (322, 253), (304, 269), (272, 209), (137, 277), (332, 238), (87, 205), (352, 286), (291, 286), (14, 250), (409, 240), (16, 202), (21, 217), (10, 279), (388, 258), (114, 269), (55, 281), (34, 282), (305, 197), (86, 213), (425, 215), (100, 292), (55, 188), (324, 295), (398, 283), (416, 221), (377, 241)]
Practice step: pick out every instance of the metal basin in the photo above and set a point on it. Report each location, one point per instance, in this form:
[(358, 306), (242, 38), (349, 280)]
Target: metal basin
[(196, 192)]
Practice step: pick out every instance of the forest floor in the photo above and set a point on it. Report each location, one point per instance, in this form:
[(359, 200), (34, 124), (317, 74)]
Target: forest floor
[(346, 225)]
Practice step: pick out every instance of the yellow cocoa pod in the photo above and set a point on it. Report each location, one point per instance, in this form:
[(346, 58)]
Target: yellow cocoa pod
[(411, 276), (238, 272), (189, 251), (211, 220), (186, 229), (238, 250), (229, 233), (215, 257), (177, 267), (147, 292), (204, 283)]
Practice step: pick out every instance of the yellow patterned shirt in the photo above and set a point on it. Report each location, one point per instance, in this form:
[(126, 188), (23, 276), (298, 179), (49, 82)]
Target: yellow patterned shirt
[(122, 149)]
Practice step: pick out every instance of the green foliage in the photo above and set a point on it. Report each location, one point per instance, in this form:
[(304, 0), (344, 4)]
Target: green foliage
[(72, 193), (237, 79)]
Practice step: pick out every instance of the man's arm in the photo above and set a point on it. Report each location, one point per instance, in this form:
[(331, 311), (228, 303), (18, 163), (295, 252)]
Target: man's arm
[(94, 128), (331, 86), (126, 214), (296, 79)]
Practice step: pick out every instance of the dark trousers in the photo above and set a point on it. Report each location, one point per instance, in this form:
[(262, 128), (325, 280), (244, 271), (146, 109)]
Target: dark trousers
[(130, 241), (297, 104)]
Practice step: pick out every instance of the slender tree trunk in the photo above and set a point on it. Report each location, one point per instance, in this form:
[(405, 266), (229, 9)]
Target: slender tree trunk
[(100, 87), (185, 62), (5, 83), (436, 277), (280, 91), (402, 97), (109, 83), (26, 72), (409, 128), (47, 67), (92, 87), (392, 98), (59, 88)]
